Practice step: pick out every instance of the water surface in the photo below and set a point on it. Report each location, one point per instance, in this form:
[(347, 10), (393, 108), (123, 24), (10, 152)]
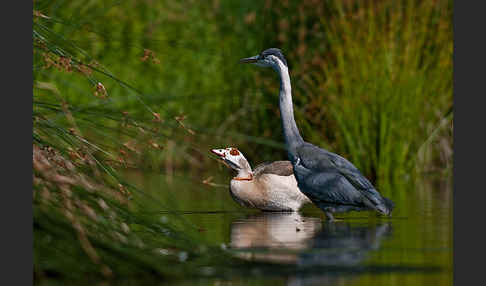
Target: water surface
[(413, 247)]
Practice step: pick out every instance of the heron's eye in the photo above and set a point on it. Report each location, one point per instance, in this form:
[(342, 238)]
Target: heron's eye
[(234, 152)]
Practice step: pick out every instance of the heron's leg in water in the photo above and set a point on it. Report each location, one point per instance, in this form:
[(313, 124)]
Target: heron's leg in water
[(328, 211)]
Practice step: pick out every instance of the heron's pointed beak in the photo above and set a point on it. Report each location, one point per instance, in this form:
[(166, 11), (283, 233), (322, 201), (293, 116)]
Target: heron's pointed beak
[(249, 60)]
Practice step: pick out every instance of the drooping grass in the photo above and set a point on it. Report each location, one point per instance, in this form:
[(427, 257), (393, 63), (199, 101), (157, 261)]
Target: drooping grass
[(87, 220)]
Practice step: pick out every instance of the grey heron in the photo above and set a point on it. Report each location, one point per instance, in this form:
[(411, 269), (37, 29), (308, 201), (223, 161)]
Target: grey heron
[(330, 181), (270, 187)]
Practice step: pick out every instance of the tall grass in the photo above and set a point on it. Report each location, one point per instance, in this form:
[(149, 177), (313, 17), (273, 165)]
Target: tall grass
[(372, 81), (390, 82)]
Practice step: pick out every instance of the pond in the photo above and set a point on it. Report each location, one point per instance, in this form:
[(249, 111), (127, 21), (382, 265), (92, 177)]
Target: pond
[(413, 247)]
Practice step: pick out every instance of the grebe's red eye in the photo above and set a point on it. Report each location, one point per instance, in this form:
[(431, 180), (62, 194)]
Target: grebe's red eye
[(234, 152)]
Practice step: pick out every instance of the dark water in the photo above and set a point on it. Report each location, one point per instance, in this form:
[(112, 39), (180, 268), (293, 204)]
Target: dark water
[(413, 247)]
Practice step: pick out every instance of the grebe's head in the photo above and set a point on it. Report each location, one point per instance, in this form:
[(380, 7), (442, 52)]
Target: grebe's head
[(233, 158), (272, 57)]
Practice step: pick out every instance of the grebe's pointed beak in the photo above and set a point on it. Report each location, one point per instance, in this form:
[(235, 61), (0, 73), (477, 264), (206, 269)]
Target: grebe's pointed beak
[(249, 60)]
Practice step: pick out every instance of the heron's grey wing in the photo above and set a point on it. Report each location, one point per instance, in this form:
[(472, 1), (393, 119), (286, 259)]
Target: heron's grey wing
[(354, 176), (281, 168), (320, 160), (327, 187), (350, 172)]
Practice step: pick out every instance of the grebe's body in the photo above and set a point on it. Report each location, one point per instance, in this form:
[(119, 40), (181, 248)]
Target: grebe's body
[(270, 187)]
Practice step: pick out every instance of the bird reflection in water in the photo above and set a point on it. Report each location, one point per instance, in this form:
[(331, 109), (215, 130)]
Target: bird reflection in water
[(305, 241), (344, 243), (337, 252), (271, 236)]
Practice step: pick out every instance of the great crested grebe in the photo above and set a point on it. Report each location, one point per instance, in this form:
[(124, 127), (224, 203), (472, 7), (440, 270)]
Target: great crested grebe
[(270, 187)]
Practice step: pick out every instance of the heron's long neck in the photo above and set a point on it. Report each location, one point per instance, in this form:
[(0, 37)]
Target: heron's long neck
[(291, 132)]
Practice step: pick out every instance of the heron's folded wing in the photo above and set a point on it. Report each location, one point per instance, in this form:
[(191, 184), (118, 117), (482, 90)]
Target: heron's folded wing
[(320, 160), (333, 188), (348, 170), (354, 176)]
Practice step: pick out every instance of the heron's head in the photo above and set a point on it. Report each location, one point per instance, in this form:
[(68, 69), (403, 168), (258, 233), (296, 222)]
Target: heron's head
[(272, 57), (233, 158)]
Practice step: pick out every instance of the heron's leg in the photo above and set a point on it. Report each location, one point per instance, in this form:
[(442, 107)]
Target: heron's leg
[(329, 216), (328, 211)]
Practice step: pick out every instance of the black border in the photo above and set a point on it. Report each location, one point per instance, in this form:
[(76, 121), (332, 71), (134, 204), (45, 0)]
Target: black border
[(469, 156), (16, 215)]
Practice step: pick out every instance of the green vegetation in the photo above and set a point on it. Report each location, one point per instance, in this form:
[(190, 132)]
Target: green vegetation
[(370, 82), (152, 85)]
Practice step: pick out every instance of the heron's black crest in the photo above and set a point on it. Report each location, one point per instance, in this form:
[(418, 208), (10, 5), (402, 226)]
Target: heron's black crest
[(275, 52)]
